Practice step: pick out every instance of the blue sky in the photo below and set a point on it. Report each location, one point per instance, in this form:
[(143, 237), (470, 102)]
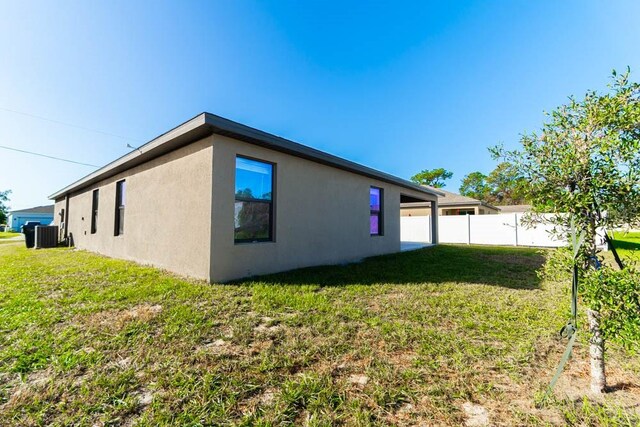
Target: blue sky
[(398, 86)]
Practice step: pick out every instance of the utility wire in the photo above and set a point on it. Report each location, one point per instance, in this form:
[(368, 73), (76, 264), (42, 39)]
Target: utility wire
[(69, 124), (48, 157)]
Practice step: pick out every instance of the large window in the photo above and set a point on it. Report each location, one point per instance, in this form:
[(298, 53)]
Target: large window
[(254, 201), (375, 209), (94, 212), (120, 201)]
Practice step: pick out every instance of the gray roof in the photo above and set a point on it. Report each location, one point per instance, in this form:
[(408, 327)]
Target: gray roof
[(515, 208), (48, 209), (206, 124), (452, 199)]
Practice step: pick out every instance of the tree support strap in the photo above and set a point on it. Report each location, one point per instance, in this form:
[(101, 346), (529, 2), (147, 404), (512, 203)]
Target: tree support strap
[(565, 358), (568, 331), (571, 328)]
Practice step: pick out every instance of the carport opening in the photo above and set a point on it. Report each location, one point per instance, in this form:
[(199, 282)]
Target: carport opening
[(416, 222), (409, 199), (413, 206)]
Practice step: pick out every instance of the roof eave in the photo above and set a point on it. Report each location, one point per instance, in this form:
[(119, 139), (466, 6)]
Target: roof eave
[(183, 134), (487, 205), (206, 124), (254, 136)]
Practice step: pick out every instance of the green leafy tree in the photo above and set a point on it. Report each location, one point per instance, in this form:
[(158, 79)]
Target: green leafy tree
[(4, 207), (586, 163), (506, 187), (615, 295), (475, 185), (503, 186), (433, 177)]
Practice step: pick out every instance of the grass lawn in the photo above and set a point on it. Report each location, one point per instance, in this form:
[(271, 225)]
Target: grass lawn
[(627, 244), (406, 339), (8, 234)]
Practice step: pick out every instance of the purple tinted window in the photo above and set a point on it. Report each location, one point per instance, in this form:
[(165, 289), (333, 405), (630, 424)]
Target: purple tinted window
[(375, 208), (374, 199), (373, 224)]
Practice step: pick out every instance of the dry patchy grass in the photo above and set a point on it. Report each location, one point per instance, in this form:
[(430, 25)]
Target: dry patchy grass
[(440, 336)]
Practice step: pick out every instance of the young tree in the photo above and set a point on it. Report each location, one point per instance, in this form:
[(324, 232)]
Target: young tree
[(475, 185), (433, 177), (4, 208), (586, 163)]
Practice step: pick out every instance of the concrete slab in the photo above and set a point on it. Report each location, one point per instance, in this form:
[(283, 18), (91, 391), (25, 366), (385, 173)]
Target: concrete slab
[(412, 246)]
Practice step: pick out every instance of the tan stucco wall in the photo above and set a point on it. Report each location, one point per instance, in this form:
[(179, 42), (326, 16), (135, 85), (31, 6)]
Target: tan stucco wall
[(415, 211), (179, 214), (478, 210), (321, 215), (167, 213), (446, 211)]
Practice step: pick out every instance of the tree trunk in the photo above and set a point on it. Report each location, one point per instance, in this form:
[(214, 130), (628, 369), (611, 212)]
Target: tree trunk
[(596, 341), (596, 353)]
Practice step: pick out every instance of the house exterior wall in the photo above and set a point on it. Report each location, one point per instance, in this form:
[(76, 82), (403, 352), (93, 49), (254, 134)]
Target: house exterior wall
[(424, 211), (321, 215), (167, 220), (478, 210), (179, 214), (17, 220), (470, 210)]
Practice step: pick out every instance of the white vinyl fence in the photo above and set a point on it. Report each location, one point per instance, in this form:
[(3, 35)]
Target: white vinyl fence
[(501, 229)]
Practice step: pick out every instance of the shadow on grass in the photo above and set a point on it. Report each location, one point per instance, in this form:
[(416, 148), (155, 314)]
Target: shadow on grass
[(498, 266), (627, 244)]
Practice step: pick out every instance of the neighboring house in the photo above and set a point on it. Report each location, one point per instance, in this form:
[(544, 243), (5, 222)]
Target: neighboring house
[(450, 204), (515, 208), (218, 200), (42, 214)]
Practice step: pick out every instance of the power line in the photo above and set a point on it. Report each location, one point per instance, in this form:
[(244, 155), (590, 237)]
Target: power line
[(48, 157), (69, 124)]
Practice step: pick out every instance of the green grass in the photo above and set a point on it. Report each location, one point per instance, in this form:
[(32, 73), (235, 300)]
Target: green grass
[(8, 234), (627, 244), (403, 339)]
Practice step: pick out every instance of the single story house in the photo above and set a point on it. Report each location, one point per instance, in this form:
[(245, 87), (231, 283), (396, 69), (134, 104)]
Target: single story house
[(218, 200), (42, 214), (450, 204)]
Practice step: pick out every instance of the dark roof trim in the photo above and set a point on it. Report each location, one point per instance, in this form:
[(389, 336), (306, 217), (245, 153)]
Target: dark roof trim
[(206, 124), (189, 131), (251, 135)]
